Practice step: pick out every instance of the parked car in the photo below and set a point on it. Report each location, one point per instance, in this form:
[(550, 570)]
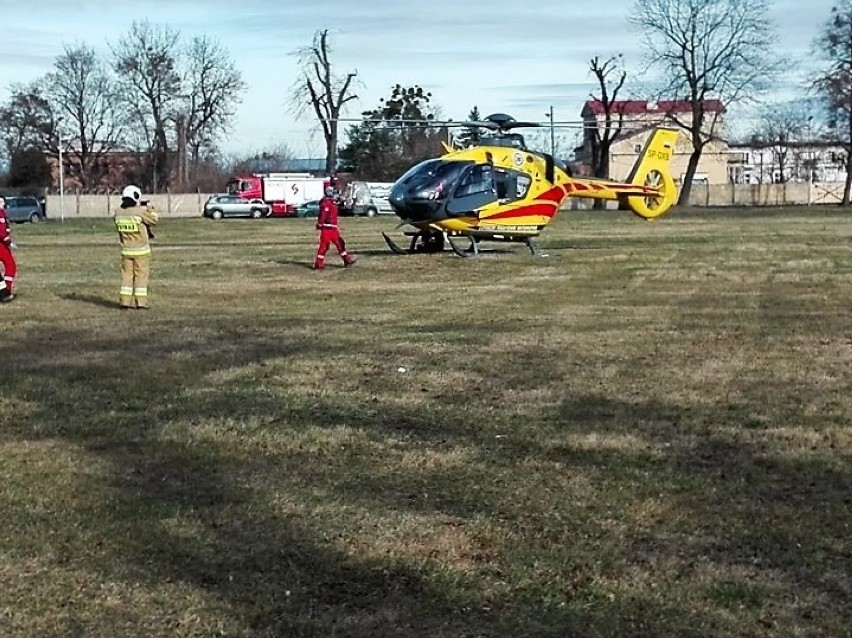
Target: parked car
[(307, 209), (24, 209), (219, 206)]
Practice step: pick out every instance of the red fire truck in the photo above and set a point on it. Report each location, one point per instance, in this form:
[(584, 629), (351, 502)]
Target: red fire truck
[(282, 191)]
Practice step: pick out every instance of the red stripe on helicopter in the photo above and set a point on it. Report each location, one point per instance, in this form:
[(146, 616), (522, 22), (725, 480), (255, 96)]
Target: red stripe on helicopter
[(543, 209), (555, 194)]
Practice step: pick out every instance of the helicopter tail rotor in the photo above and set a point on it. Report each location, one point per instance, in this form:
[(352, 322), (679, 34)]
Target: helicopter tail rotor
[(651, 171)]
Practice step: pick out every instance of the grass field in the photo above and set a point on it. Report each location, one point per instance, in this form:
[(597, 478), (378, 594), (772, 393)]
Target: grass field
[(645, 434)]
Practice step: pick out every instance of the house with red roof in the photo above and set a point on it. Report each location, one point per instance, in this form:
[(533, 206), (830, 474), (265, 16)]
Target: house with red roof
[(637, 118)]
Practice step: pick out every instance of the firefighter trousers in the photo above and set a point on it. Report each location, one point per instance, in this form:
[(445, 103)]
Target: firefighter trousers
[(329, 236), (10, 269), (134, 281)]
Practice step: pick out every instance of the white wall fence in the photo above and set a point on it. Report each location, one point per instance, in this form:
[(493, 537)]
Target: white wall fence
[(73, 206), (190, 204), (791, 193)]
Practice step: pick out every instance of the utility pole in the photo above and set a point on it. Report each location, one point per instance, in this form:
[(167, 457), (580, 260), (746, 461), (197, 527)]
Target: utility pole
[(552, 135), (811, 164), (61, 179), (183, 173)]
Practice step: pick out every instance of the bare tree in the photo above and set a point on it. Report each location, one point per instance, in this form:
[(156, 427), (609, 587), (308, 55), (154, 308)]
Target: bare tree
[(213, 88), (26, 120), (707, 49), (564, 142), (183, 96), (601, 138), (834, 83), (89, 115), (785, 128), (318, 88), (145, 60)]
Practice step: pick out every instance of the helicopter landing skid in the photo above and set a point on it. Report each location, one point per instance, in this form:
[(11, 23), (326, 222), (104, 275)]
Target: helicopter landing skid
[(534, 249), (472, 250), (395, 248), (422, 241)]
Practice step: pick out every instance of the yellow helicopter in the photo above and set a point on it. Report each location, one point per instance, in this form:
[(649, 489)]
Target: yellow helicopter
[(500, 190)]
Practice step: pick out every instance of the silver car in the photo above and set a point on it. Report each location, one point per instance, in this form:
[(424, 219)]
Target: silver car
[(24, 209), (219, 206)]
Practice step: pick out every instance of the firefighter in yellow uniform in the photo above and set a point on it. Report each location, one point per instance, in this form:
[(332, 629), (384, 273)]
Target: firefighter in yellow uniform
[(133, 222)]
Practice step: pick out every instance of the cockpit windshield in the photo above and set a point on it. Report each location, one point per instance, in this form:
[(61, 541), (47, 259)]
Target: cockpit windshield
[(433, 179)]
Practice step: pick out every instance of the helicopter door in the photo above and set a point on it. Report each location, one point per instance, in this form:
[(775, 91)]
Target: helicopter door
[(475, 189), (503, 184), (511, 185)]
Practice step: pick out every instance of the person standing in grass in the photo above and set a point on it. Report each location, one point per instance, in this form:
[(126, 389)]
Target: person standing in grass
[(7, 258), (328, 224), (133, 222)]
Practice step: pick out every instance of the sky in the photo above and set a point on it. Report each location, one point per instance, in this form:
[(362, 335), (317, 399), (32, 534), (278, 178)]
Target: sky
[(497, 55)]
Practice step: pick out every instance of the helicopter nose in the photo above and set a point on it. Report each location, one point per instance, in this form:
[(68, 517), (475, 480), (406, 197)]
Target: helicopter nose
[(414, 206)]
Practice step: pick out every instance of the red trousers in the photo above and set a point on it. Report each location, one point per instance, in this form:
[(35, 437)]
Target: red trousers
[(329, 236), (10, 269)]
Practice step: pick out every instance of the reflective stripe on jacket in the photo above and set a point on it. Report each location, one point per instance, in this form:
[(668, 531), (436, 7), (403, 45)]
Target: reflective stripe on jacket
[(328, 212), (132, 227)]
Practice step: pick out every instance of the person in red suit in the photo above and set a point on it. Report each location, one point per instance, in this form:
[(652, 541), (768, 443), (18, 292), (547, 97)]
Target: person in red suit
[(329, 226), (10, 269)]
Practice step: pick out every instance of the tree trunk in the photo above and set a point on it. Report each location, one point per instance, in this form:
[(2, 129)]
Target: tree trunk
[(330, 155), (686, 187), (601, 168), (847, 187)]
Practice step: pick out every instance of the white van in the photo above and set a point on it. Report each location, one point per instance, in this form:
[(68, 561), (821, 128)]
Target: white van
[(367, 198)]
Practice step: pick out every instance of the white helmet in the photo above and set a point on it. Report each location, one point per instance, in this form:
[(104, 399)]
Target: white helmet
[(132, 193)]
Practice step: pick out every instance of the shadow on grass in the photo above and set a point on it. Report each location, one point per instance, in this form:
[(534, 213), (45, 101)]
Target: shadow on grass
[(262, 518), (93, 300), (306, 264)]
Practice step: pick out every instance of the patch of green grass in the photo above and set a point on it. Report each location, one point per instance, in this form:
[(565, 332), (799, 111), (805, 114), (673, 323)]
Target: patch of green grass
[(645, 434)]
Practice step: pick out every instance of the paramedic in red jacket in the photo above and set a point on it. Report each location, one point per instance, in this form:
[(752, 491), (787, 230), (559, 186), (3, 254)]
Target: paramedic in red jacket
[(7, 259), (329, 227)]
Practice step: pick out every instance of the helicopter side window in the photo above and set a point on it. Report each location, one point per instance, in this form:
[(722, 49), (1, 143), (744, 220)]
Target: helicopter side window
[(523, 182), (475, 190), (503, 183), (478, 179), (511, 185)]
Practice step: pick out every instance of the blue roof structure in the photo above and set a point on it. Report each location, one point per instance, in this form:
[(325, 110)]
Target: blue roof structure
[(262, 164)]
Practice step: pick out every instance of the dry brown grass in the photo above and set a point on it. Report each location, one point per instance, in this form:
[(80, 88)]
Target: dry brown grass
[(645, 434)]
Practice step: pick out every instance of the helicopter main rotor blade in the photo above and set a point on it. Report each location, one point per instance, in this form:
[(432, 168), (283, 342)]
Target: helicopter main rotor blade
[(483, 124), (511, 125)]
